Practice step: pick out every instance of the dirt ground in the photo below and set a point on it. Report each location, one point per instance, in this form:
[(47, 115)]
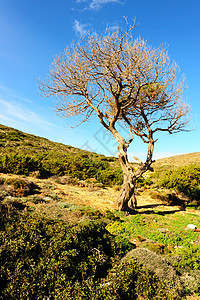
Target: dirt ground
[(95, 197)]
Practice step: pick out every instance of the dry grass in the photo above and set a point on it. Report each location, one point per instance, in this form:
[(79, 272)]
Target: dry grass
[(57, 195), (177, 161)]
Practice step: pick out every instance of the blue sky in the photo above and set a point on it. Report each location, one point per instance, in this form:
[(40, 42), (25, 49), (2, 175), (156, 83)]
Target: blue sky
[(32, 32)]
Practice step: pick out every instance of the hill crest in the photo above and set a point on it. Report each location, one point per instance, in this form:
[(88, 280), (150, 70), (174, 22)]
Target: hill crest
[(15, 140)]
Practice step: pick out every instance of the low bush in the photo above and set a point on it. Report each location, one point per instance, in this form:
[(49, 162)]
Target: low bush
[(109, 177), (62, 164), (157, 264), (158, 248), (127, 280), (20, 186), (131, 280), (191, 282), (42, 258), (190, 257), (19, 163), (185, 180)]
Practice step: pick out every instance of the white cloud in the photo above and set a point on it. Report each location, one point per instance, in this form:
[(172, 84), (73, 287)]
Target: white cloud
[(15, 111), (96, 4), (8, 92), (80, 28)]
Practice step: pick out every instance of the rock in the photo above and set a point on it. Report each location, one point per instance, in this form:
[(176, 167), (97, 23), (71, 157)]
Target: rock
[(191, 226), (157, 264)]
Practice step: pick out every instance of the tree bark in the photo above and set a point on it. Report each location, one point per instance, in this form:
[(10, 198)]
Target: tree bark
[(125, 194), (127, 190)]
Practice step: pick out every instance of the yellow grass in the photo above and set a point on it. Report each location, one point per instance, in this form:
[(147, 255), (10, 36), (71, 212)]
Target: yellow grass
[(177, 161)]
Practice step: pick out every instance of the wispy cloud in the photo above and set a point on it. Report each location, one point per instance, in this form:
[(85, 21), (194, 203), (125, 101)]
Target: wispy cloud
[(15, 111), (8, 92), (96, 4), (79, 28)]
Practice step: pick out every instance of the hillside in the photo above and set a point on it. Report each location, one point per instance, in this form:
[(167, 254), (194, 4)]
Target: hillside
[(177, 161), (17, 142), (23, 154), (61, 236)]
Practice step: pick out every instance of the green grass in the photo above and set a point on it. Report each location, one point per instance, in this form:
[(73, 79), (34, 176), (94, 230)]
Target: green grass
[(53, 245), (170, 230)]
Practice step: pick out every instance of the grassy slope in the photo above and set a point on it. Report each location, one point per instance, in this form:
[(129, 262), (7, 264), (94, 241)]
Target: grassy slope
[(177, 161), (49, 158), (153, 222), (13, 140)]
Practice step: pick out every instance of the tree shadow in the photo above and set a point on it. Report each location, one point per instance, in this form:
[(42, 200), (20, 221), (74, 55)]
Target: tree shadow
[(149, 206), (161, 213), (149, 210)]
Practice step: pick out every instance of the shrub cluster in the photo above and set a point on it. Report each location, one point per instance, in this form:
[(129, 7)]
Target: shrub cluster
[(185, 180), (56, 163), (48, 259), (125, 281), (40, 258), (190, 257)]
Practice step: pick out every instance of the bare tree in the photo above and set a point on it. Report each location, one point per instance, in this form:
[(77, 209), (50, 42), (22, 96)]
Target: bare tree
[(120, 80)]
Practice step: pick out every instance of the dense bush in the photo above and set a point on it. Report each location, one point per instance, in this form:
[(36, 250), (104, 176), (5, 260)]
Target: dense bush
[(41, 258), (185, 180), (126, 281), (129, 280), (48, 259), (55, 163), (109, 176), (19, 163), (190, 257)]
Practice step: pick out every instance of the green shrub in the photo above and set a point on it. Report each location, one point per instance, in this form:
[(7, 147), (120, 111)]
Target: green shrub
[(126, 281), (129, 280), (158, 248), (48, 163), (185, 180), (109, 176), (190, 257), (141, 181), (42, 258), (19, 163)]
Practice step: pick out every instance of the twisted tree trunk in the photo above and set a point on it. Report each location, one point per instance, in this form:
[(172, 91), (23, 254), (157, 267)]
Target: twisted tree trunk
[(127, 192)]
